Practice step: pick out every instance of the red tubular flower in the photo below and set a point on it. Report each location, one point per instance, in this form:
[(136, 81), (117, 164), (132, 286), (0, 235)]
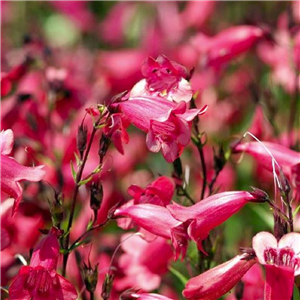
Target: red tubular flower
[(281, 260), (211, 212), (12, 172), (39, 281), (287, 159), (158, 221), (167, 124), (215, 282)]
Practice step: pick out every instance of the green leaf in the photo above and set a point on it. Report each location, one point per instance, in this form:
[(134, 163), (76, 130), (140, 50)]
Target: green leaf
[(78, 161), (296, 211), (97, 170), (77, 245), (296, 293), (181, 277), (73, 171), (85, 181)]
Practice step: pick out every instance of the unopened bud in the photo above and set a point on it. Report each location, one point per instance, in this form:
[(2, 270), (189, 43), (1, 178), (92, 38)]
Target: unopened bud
[(129, 294), (284, 187), (96, 197), (117, 98), (260, 195), (219, 160), (81, 139), (107, 286), (56, 209), (280, 227), (90, 277), (103, 146)]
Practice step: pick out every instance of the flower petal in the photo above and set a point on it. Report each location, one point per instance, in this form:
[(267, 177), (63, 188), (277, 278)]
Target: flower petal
[(261, 242), (215, 282)]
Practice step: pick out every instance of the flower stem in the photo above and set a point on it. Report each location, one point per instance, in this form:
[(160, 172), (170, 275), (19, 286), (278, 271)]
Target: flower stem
[(77, 185)]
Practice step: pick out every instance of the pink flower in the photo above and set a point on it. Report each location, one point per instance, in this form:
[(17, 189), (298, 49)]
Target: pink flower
[(287, 159), (40, 280), (227, 44), (115, 129), (215, 282), (138, 265), (158, 192), (211, 212), (281, 260), (12, 172), (157, 220), (167, 124), (163, 78)]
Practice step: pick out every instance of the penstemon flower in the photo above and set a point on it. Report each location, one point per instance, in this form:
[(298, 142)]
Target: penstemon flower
[(167, 124), (217, 281), (12, 172), (40, 280), (211, 212), (281, 260), (288, 160), (158, 221)]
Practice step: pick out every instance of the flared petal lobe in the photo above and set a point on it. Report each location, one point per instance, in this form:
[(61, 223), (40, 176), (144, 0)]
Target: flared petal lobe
[(167, 124)]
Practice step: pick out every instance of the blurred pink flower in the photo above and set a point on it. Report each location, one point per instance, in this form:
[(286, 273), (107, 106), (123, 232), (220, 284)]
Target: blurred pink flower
[(40, 280), (163, 78), (13, 76), (196, 13), (167, 124), (138, 265), (226, 45), (12, 172), (78, 12), (281, 260), (288, 160)]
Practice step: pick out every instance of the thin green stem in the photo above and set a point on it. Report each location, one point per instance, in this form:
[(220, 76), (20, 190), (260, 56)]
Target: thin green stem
[(77, 185)]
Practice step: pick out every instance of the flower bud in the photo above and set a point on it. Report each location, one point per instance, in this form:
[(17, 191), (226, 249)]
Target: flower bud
[(260, 195), (280, 227), (284, 187), (90, 277), (81, 139), (107, 286), (56, 209), (103, 146), (219, 160), (96, 196)]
